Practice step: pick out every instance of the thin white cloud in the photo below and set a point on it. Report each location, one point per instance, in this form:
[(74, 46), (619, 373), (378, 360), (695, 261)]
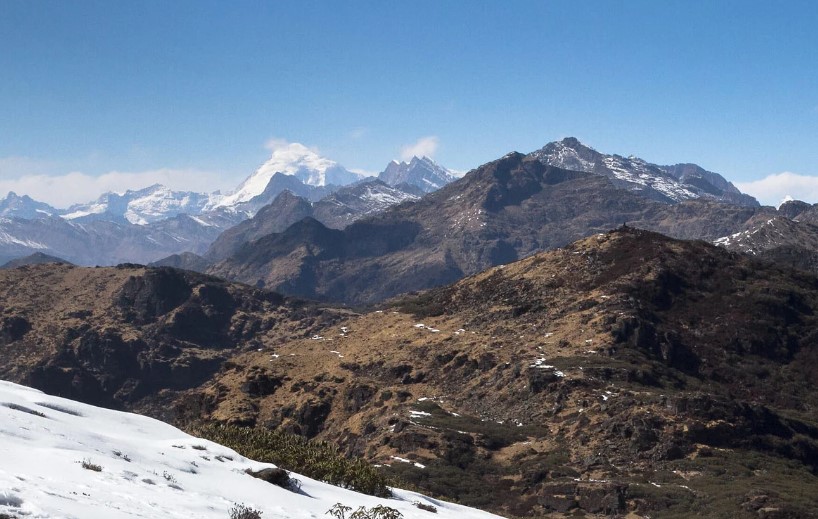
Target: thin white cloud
[(358, 133), (63, 190), (776, 188), (425, 146)]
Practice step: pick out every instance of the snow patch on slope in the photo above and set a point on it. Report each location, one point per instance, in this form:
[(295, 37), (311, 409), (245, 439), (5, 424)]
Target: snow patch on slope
[(148, 469)]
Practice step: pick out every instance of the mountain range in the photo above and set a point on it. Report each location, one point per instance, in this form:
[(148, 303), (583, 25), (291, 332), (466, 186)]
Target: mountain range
[(146, 225), (521, 340), (497, 213)]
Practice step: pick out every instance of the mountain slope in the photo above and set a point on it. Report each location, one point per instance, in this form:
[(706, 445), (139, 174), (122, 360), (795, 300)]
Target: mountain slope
[(336, 210), (502, 211), (626, 372), (113, 336), (663, 183), (66, 459), (357, 201), (793, 243)]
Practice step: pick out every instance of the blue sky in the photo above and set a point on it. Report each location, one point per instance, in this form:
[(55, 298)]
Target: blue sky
[(116, 93)]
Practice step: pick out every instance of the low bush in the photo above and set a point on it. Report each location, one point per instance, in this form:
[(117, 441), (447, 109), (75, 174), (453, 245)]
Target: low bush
[(339, 511), (314, 459), (89, 465), (244, 512)]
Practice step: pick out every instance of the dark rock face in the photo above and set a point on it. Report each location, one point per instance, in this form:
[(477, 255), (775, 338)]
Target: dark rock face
[(357, 397), (13, 328), (311, 416), (276, 476), (260, 383), (145, 298)]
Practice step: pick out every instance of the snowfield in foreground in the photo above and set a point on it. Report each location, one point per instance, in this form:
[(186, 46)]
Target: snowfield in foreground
[(147, 469)]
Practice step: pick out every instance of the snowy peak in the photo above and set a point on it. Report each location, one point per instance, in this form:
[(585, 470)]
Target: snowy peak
[(291, 158), (142, 206), (15, 206), (664, 183), (421, 172)]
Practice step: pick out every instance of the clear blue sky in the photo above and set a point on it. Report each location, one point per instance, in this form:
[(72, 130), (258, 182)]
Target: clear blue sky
[(145, 85)]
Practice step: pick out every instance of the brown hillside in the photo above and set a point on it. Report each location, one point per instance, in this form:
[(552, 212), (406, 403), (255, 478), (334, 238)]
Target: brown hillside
[(627, 372), (117, 336)]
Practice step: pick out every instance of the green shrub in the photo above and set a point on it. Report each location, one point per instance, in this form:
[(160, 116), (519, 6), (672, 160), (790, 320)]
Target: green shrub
[(314, 459), (88, 465), (244, 512), (339, 511)]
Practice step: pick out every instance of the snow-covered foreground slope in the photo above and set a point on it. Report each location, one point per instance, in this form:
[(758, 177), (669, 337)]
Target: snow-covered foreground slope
[(148, 469)]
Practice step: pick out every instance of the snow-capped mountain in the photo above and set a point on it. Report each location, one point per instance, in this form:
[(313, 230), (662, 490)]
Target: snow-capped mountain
[(421, 172), (66, 459), (664, 183), (105, 242), (290, 159), (140, 207), (15, 206)]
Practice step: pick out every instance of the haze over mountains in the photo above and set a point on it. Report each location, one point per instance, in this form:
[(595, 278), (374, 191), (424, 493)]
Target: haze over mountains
[(146, 225)]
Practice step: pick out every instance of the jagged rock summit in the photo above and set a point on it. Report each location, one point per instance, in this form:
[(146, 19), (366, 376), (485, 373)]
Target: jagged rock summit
[(421, 172), (663, 183), (16, 206)]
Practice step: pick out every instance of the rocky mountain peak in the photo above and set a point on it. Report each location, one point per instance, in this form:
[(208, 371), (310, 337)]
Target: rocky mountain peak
[(421, 172), (16, 206), (669, 184)]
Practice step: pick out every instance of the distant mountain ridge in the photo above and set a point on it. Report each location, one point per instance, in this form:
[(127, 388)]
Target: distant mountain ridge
[(102, 242), (150, 224), (142, 206), (663, 183)]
